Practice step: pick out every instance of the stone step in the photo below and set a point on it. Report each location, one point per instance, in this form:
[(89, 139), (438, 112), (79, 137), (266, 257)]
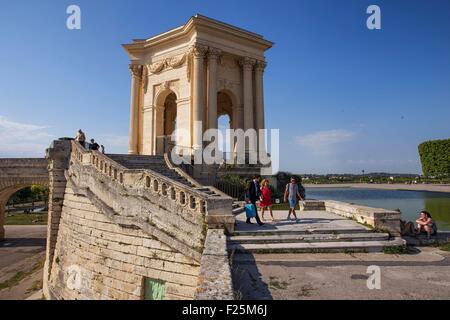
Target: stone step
[(237, 210), (316, 247), (295, 238), (154, 163), (267, 232)]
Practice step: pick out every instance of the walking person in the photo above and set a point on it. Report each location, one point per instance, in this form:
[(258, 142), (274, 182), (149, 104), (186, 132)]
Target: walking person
[(265, 201), (253, 194), (291, 194), (81, 138)]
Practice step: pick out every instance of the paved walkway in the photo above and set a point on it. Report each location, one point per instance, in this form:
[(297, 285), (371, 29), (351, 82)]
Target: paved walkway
[(22, 249), (424, 275), (309, 220)]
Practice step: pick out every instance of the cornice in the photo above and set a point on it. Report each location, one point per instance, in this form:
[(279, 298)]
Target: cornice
[(193, 23)]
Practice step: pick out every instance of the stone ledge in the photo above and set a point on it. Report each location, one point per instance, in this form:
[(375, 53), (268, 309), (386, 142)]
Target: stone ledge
[(215, 274), (378, 218)]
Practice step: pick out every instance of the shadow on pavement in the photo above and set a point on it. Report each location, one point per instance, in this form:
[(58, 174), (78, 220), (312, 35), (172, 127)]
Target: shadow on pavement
[(247, 280), (23, 242)]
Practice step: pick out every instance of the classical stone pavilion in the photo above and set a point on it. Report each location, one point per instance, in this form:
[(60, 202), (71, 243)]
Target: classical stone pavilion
[(196, 72)]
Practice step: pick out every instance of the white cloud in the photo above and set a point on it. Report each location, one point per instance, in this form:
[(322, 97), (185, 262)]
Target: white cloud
[(320, 139), (113, 140), (113, 143), (23, 139)]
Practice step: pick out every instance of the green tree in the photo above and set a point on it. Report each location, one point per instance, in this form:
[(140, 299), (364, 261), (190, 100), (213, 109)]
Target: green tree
[(435, 157)]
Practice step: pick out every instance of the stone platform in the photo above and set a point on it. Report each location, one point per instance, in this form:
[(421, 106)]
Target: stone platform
[(316, 231)]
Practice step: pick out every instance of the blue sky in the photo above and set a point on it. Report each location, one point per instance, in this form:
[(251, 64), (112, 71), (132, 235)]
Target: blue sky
[(345, 98)]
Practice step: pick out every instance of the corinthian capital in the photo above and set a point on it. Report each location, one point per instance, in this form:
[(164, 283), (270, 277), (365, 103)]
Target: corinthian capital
[(214, 53), (260, 65), (247, 63), (136, 70), (199, 50)]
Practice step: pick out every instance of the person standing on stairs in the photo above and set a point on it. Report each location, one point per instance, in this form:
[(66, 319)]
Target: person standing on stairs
[(253, 194)]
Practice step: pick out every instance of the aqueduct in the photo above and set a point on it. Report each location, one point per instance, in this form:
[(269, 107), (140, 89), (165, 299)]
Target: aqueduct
[(16, 174)]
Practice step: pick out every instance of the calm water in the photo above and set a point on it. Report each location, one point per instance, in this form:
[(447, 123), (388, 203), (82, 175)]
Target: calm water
[(410, 203)]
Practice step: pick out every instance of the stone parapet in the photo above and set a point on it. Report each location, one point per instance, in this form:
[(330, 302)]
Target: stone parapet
[(215, 281), (381, 219)]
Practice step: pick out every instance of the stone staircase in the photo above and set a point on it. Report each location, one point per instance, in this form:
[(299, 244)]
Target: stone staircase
[(319, 232), (158, 164), (154, 163)]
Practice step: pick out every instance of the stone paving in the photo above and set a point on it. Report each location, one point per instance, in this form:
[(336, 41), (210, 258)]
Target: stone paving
[(308, 220)]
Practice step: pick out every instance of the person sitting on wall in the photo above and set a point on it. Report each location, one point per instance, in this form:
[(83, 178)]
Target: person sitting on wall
[(426, 224), (94, 145), (81, 138)]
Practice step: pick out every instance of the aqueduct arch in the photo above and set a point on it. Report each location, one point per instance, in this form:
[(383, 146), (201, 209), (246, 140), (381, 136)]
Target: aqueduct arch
[(16, 174)]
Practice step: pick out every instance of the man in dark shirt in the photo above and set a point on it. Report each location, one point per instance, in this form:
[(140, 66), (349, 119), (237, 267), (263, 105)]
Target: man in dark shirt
[(94, 145), (253, 194)]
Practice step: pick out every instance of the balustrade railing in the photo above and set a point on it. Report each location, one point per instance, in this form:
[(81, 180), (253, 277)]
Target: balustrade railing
[(193, 200)]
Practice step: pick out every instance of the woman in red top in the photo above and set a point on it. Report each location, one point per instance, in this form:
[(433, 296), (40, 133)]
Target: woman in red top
[(266, 198)]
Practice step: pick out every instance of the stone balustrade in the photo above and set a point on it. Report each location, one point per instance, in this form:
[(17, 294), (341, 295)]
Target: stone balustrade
[(217, 208)]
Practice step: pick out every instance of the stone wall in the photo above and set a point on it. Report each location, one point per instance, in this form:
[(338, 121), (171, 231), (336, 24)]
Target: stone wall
[(99, 259), (116, 227), (215, 281), (381, 219)]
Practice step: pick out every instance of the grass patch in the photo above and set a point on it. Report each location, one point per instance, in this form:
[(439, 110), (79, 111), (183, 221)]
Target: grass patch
[(305, 291), (275, 284), (26, 219), (35, 286), (20, 275), (396, 250), (445, 246)]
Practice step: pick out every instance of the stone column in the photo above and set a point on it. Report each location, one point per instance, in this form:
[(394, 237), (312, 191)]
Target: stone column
[(247, 66), (136, 73), (259, 96), (213, 56), (198, 82)]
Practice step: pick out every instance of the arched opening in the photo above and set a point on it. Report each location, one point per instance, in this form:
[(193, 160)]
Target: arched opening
[(23, 205), (225, 122), (170, 114), (165, 121), (27, 205)]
